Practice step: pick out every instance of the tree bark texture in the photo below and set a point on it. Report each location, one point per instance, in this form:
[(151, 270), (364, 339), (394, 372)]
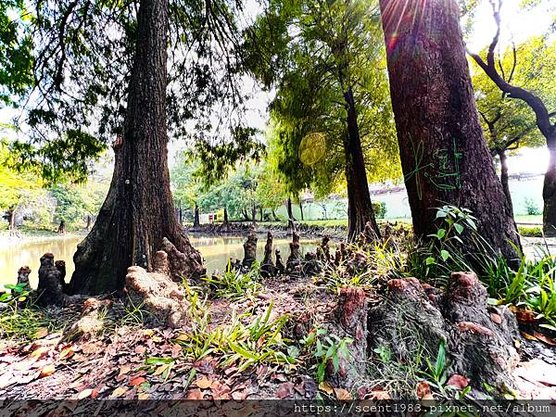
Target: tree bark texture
[(549, 191), (360, 209), (504, 178), (444, 156), (138, 211)]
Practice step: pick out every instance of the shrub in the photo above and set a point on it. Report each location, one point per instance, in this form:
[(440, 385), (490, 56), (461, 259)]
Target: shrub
[(530, 231), (531, 207), (379, 207)]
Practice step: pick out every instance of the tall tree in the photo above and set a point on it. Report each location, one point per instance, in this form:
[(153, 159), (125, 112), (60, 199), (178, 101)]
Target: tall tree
[(321, 57), (444, 155), (509, 124), (101, 69), (538, 104), (138, 211)]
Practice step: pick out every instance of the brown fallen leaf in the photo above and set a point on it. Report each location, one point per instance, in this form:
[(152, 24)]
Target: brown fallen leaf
[(143, 396), (545, 339), (524, 315), (528, 336), (195, 394), (496, 318), (220, 391), (458, 381), (378, 395), (118, 392), (285, 390), (342, 394), (47, 371), (239, 395), (161, 369), (84, 394), (41, 332), (423, 390), (203, 382), (138, 380), (325, 386), (40, 352), (66, 352)]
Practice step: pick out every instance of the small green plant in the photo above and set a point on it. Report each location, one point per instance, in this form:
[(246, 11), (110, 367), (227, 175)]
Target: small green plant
[(531, 207), (235, 284), (379, 208), (325, 349), (435, 374), (530, 231), (237, 343), (19, 322), (384, 353)]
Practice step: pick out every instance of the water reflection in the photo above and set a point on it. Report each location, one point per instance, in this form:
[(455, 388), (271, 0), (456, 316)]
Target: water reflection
[(216, 251)]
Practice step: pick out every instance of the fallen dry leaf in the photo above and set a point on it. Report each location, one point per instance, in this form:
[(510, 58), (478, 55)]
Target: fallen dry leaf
[(342, 394), (40, 352), (496, 318), (220, 391), (84, 394), (379, 395), (118, 392), (66, 352), (545, 339), (47, 371), (203, 382), (138, 380), (525, 315), (285, 390), (195, 394), (239, 395), (41, 332), (458, 381), (423, 390), (325, 386), (161, 369)]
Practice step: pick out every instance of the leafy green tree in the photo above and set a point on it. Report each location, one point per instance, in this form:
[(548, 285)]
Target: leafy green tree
[(16, 61), (533, 90), (326, 61), (76, 203), (510, 124), (15, 188), (136, 72)]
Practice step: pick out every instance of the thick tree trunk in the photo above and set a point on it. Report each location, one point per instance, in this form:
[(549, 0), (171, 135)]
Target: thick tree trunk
[(138, 211), (226, 216), (196, 218), (504, 178), (444, 155), (360, 209), (549, 191), (301, 210)]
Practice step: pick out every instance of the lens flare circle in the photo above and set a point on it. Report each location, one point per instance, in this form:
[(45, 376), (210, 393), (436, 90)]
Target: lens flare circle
[(312, 148)]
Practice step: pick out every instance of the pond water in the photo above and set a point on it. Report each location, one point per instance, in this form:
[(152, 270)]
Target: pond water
[(216, 251)]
